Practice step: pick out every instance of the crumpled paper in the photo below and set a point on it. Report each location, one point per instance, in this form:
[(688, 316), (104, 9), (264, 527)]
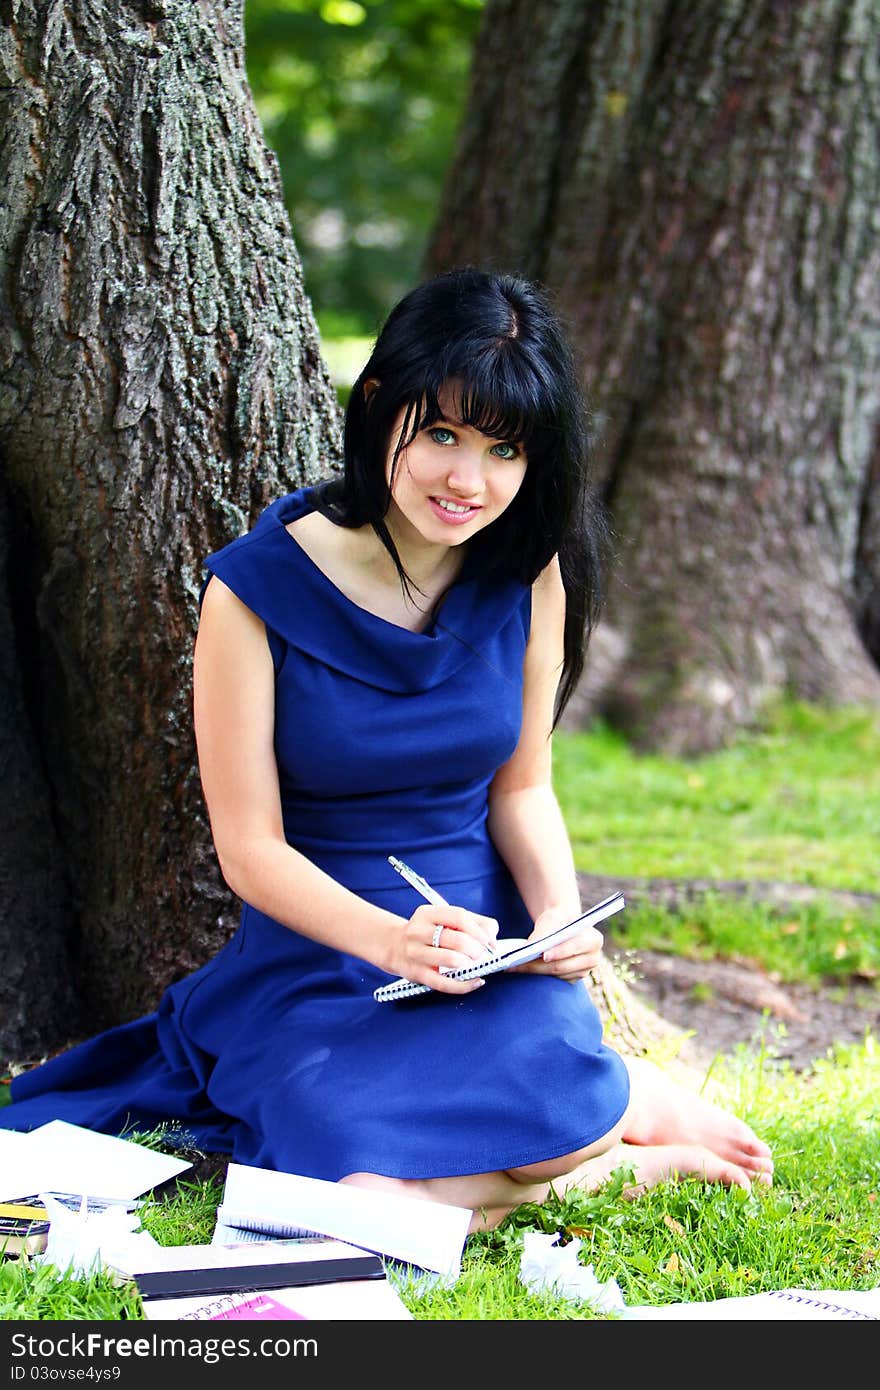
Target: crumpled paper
[(81, 1242), (546, 1267)]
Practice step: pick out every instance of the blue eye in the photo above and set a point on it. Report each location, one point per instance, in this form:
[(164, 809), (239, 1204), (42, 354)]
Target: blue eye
[(513, 451), (448, 436)]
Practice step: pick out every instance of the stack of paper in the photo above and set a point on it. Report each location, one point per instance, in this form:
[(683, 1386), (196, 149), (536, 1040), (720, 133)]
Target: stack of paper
[(340, 1275)]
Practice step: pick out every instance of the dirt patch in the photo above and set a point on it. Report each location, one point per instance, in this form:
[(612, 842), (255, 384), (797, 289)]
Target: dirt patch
[(721, 1005)]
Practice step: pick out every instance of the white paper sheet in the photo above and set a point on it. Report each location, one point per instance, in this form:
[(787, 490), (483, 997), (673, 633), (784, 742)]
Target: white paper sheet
[(61, 1157), (20, 1174), (428, 1234)]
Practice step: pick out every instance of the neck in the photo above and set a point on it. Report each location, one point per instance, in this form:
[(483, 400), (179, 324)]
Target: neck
[(430, 567)]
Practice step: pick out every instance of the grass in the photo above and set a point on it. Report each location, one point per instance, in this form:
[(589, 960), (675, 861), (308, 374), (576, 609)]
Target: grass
[(804, 944), (798, 802)]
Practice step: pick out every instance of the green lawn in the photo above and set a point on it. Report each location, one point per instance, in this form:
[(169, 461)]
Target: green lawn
[(797, 802)]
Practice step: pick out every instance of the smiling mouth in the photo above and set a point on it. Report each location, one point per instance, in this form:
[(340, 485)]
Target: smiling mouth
[(454, 508)]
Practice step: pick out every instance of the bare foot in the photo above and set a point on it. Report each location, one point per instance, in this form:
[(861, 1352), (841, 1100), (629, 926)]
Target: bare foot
[(666, 1115)]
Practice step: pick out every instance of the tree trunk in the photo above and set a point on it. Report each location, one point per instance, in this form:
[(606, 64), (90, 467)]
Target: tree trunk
[(698, 185), (160, 382)]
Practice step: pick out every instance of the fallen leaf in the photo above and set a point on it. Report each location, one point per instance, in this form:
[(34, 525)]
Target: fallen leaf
[(674, 1225)]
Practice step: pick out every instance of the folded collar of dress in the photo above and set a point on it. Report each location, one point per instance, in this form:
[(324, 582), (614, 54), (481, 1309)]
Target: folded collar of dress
[(271, 573)]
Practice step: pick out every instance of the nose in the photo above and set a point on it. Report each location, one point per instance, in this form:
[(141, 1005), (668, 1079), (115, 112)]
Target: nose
[(465, 477)]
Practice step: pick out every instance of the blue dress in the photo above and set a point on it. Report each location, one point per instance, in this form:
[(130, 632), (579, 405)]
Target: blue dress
[(275, 1051)]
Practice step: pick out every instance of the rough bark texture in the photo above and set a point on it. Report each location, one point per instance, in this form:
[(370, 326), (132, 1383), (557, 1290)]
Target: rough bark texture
[(698, 186), (160, 381)]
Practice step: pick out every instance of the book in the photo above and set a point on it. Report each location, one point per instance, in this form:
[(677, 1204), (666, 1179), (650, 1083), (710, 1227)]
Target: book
[(427, 1234), (25, 1222), (24, 1226), (250, 1307), (276, 1279), (228, 1233), (133, 1262), (372, 1300), (238, 1237), (321, 1267), (508, 952)]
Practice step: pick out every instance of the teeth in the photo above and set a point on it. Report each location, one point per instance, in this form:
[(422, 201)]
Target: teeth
[(451, 506)]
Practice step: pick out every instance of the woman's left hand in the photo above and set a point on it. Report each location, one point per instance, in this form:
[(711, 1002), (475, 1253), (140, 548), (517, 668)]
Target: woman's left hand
[(570, 960)]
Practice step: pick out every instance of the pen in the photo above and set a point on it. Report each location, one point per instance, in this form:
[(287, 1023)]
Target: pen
[(416, 881), (422, 886)]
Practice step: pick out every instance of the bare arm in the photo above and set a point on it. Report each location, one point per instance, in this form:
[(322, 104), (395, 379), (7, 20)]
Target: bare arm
[(234, 713), (525, 819)]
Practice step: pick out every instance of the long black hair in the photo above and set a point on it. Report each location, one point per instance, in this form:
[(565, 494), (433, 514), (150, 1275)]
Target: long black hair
[(497, 337)]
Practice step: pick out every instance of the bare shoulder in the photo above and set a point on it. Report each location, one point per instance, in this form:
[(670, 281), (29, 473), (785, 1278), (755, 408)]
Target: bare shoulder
[(219, 602), (224, 617), (321, 540)]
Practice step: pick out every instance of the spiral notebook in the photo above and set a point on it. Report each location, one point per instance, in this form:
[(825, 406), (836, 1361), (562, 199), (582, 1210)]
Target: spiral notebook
[(804, 1305), (508, 952)]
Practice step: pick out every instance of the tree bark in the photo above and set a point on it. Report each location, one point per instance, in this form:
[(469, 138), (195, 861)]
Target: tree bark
[(160, 382), (697, 184)]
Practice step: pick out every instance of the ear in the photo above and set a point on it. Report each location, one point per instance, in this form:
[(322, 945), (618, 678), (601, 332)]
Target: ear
[(369, 386)]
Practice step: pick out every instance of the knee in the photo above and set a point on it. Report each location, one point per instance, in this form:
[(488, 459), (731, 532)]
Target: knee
[(374, 1181), (561, 1167), (549, 1169)]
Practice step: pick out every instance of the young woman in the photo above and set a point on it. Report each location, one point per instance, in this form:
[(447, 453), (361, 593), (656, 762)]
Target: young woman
[(379, 666)]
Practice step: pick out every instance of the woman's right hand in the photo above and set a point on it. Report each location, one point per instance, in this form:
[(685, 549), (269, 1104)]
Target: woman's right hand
[(461, 938)]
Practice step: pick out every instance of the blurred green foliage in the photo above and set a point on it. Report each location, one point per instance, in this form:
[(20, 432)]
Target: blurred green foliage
[(361, 101)]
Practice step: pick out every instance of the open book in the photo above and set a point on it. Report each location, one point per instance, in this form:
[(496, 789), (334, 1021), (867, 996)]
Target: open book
[(508, 952), (411, 1230)]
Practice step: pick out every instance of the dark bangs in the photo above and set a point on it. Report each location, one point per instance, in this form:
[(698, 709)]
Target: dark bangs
[(495, 392), (495, 389)]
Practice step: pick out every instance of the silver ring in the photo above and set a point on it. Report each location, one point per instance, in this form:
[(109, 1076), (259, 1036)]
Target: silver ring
[(435, 937)]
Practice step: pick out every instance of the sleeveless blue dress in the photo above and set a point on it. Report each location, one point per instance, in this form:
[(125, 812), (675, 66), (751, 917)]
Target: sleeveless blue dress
[(275, 1051)]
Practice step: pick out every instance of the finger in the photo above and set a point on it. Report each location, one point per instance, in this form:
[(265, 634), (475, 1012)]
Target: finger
[(482, 931), (489, 926), (574, 967), (584, 944), (579, 960), (474, 924), (443, 985), (452, 948)]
